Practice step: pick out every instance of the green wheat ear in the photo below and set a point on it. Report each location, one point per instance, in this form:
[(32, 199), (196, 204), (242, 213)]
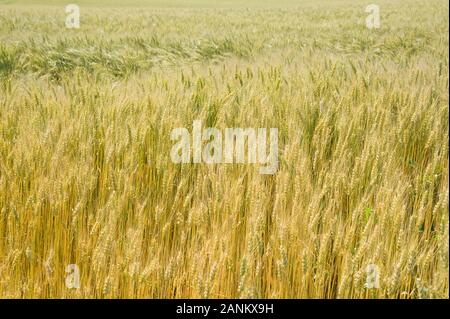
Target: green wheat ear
[(367, 213)]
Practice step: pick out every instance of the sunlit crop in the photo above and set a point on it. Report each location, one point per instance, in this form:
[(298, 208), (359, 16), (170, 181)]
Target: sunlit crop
[(86, 176)]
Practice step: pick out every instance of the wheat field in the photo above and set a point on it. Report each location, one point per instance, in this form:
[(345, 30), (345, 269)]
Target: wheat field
[(85, 170)]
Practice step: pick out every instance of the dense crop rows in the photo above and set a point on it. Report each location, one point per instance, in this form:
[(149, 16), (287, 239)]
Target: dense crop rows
[(86, 176)]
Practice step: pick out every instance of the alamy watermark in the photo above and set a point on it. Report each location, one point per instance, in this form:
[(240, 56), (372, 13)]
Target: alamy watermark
[(221, 147), (73, 16), (73, 277), (373, 19), (373, 277)]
